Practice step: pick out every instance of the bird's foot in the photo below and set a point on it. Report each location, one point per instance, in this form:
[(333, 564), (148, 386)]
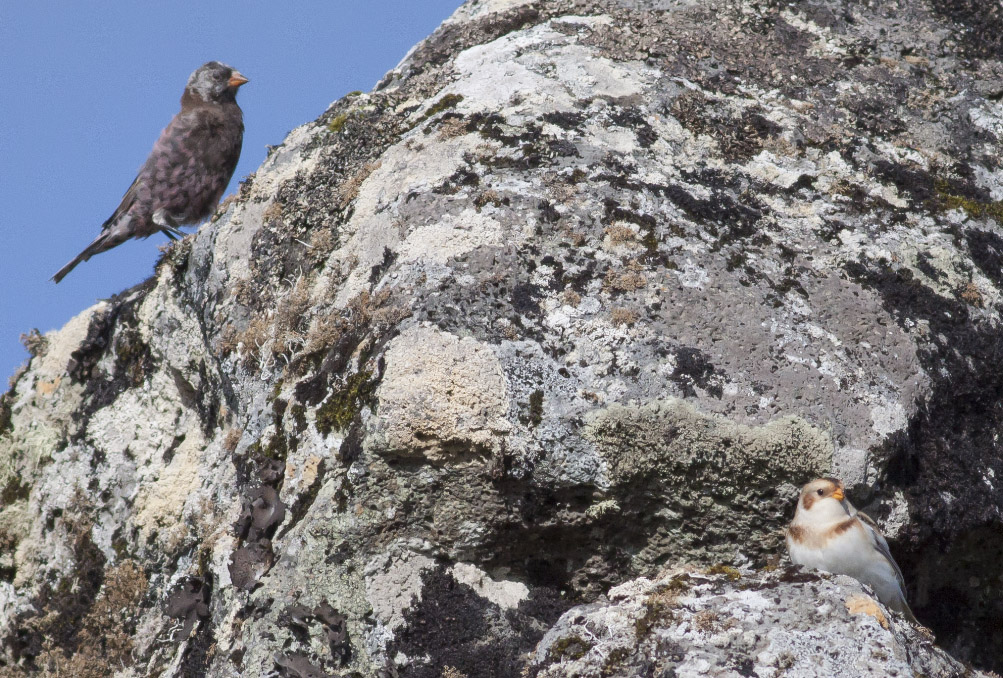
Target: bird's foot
[(168, 224)]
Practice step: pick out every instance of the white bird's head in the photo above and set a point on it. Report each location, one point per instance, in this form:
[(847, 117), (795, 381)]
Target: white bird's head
[(821, 501)]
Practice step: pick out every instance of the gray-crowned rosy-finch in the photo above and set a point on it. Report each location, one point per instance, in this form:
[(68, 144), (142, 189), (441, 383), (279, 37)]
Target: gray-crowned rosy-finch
[(829, 534), (188, 169)]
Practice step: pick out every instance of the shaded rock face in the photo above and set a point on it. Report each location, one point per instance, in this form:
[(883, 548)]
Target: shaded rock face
[(582, 290)]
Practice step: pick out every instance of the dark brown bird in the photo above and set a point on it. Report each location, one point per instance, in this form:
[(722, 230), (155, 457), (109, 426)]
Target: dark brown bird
[(188, 169)]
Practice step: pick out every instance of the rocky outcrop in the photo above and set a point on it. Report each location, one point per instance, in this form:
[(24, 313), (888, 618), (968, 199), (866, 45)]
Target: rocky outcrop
[(731, 623), (583, 290)]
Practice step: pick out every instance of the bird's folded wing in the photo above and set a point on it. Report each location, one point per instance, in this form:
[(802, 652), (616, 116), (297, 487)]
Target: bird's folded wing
[(127, 200), (880, 544)]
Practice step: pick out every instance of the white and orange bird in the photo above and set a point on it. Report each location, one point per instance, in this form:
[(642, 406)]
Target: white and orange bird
[(829, 534)]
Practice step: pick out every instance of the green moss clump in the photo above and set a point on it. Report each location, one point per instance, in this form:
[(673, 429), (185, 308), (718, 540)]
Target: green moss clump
[(276, 448), (337, 122), (340, 408), (572, 647), (448, 101), (728, 571), (298, 413), (614, 659), (973, 208)]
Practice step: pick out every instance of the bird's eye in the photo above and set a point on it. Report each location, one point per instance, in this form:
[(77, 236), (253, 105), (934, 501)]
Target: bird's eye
[(820, 493)]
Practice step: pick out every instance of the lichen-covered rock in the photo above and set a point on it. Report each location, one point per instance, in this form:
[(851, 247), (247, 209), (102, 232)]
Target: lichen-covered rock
[(692, 624), (583, 289)]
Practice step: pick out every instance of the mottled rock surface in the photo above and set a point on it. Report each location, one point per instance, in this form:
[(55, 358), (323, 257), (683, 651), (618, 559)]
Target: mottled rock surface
[(731, 623), (582, 290)]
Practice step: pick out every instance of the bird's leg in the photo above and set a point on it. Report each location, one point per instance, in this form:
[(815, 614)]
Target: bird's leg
[(167, 224)]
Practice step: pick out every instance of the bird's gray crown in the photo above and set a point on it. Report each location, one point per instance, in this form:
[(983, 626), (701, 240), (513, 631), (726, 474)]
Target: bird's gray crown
[(210, 82)]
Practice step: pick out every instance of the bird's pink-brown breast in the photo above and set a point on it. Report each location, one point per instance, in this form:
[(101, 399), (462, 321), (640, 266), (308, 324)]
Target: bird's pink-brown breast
[(192, 163)]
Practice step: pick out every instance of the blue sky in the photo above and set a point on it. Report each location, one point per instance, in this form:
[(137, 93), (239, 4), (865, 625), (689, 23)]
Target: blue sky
[(85, 88)]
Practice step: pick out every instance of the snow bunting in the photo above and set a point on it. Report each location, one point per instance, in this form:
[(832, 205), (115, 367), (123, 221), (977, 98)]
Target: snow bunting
[(829, 534)]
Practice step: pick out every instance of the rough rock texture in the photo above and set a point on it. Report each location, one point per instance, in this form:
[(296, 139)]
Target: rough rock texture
[(582, 290), (732, 623)]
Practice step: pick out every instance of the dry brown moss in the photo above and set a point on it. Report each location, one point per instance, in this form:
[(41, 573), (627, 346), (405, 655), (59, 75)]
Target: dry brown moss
[(623, 316), (626, 280), (106, 632)]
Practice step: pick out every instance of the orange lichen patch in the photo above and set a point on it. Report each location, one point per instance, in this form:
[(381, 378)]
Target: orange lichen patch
[(858, 604), (48, 387)]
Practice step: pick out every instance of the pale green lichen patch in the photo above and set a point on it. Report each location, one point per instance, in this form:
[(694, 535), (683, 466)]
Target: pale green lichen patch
[(671, 439), (725, 489)]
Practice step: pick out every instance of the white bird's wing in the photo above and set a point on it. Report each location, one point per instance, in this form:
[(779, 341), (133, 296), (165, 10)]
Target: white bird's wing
[(880, 544)]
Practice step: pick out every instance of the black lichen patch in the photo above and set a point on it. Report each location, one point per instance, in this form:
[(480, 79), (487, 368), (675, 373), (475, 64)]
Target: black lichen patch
[(726, 216), (567, 120), (249, 563), (914, 182), (199, 652), (465, 177), (189, 601), (298, 665), (874, 116), (981, 35), (377, 271), (694, 369), (723, 216), (14, 491), (116, 329), (633, 120), (333, 625), (923, 263), (525, 299), (528, 147)]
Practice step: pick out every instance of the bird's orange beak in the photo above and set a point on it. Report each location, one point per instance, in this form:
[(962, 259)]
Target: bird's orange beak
[(236, 79), (838, 494)]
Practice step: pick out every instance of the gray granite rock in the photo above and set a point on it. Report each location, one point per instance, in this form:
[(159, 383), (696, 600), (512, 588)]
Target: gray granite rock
[(582, 290)]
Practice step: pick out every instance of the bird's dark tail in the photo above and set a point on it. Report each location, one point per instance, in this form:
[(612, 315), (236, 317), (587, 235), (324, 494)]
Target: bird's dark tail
[(103, 242)]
